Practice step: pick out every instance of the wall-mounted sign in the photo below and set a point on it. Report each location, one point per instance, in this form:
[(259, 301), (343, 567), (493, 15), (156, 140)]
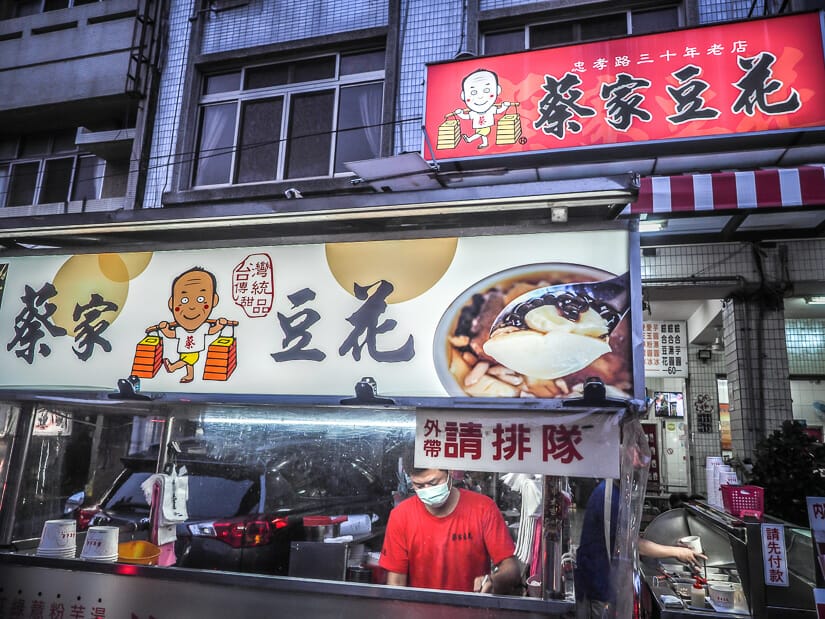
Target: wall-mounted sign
[(473, 316), (816, 518), (774, 556), (666, 348), (737, 78), (581, 444)]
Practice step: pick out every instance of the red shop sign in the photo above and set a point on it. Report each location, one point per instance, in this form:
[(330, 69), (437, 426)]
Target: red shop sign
[(738, 78)]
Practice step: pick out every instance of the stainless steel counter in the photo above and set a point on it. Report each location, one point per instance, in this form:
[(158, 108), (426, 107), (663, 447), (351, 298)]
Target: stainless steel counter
[(30, 583)]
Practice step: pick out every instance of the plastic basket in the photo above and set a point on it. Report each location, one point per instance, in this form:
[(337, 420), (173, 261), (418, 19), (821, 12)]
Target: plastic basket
[(743, 501), (139, 552)]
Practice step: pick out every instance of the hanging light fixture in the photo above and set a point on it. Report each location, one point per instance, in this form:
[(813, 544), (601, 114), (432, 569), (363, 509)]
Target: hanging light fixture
[(718, 345)]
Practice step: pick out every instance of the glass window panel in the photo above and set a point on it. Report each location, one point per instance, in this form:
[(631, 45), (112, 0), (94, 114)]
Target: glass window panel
[(260, 140), (546, 35), (359, 124), (267, 76), (310, 134), (363, 62), (22, 183), (54, 5), (604, 27), (215, 143), (313, 69), (225, 82), (655, 21), (72, 451), (57, 175), (504, 42), (82, 2), (88, 178)]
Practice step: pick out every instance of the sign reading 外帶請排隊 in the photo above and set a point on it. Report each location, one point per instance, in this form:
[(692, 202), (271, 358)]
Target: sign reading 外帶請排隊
[(718, 80), (577, 444), (468, 317)]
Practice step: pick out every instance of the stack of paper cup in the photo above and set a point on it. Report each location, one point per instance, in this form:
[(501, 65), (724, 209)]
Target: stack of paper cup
[(711, 475), (58, 539), (694, 542), (101, 544)]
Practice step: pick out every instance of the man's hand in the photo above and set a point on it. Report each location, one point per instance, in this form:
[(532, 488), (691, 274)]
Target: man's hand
[(483, 584), (686, 555)]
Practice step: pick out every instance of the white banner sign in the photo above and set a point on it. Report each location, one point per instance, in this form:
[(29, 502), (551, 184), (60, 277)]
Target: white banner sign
[(666, 348), (816, 512), (47, 423), (774, 556), (581, 444), (417, 315)]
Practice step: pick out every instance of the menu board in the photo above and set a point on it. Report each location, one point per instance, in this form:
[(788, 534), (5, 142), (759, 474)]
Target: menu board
[(666, 348)]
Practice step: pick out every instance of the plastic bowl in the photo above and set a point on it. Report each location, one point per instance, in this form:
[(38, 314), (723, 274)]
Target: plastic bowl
[(139, 552)]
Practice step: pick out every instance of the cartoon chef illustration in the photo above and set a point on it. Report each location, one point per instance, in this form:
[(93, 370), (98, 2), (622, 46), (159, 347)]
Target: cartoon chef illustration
[(479, 91), (192, 301)]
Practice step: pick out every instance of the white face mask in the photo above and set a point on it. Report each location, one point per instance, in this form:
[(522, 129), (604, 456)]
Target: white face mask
[(434, 496)]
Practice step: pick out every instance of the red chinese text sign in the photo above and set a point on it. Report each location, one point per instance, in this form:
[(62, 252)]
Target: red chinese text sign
[(761, 75)]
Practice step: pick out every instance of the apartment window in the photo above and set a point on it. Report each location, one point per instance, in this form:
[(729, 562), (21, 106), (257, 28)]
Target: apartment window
[(566, 32), (298, 119), (47, 168), (22, 8)]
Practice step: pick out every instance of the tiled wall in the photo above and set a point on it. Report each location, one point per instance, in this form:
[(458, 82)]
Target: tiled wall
[(702, 394), (760, 396), (726, 10), (263, 22), (805, 340), (165, 132), (430, 31)]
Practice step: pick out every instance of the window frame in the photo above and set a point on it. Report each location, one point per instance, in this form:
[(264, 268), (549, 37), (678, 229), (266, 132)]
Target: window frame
[(7, 176), (287, 92), (531, 21)]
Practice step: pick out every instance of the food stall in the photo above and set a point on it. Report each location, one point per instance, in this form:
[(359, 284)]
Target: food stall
[(330, 357), (738, 574)]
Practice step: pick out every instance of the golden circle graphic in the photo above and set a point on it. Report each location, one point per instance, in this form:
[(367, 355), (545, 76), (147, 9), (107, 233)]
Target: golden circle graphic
[(412, 266), (124, 267), (78, 279)]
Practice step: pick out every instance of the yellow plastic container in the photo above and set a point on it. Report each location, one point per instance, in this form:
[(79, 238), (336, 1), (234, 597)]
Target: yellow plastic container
[(139, 552)]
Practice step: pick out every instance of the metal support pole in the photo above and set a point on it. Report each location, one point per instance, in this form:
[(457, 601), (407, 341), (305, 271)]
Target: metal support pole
[(551, 532), (15, 469)]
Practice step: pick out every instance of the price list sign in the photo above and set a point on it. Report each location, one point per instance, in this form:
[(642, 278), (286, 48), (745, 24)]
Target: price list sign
[(666, 348)]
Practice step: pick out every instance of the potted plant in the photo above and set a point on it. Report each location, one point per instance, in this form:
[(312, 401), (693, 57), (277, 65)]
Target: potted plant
[(790, 465)]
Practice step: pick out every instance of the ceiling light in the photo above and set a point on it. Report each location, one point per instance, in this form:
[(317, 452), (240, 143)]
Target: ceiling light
[(558, 214), (652, 225), (815, 300)]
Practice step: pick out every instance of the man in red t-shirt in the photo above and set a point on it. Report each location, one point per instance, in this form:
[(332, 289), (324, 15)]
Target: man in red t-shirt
[(448, 538)]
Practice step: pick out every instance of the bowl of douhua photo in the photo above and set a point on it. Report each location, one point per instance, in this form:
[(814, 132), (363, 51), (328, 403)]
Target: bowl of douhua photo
[(506, 337)]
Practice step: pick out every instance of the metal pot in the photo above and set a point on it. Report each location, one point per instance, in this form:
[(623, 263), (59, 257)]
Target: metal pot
[(318, 528)]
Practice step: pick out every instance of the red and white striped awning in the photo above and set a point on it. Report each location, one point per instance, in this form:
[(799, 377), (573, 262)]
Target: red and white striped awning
[(719, 191)]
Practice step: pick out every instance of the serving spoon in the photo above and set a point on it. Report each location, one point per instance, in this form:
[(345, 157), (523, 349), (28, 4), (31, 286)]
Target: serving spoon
[(610, 298)]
